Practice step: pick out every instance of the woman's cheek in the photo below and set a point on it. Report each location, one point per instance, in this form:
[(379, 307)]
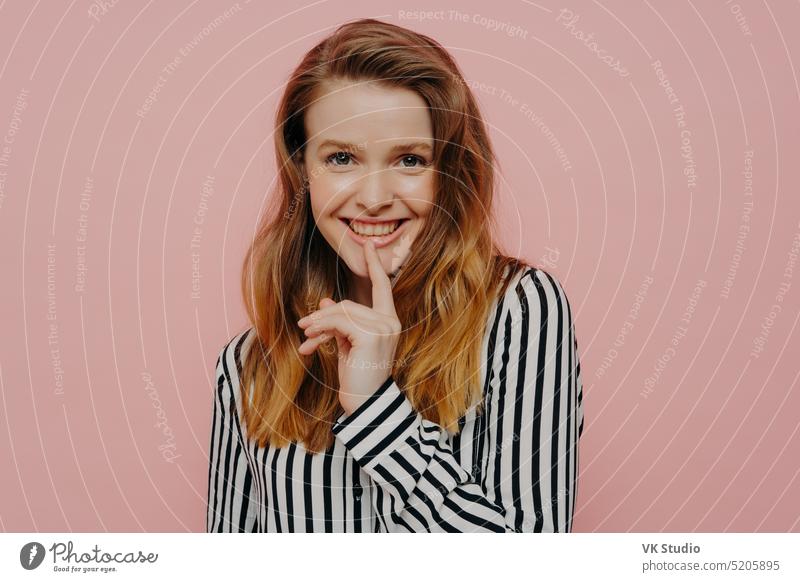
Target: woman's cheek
[(336, 188), (417, 197), (322, 192), (418, 189)]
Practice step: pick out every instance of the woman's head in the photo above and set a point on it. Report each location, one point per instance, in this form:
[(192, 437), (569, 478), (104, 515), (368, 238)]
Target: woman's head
[(379, 85), (368, 160), (375, 122)]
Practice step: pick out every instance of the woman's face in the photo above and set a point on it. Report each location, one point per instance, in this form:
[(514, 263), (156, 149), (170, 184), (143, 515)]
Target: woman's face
[(368, 160)]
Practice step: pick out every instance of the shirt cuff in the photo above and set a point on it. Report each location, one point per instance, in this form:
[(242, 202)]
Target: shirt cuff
[(380, 425)]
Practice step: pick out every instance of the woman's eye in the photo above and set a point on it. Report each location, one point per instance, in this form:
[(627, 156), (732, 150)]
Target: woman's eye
[(342, 158), (337, 157), (419, 161)]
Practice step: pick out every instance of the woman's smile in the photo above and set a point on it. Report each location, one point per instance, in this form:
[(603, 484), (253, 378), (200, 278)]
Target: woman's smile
[(382, 233)]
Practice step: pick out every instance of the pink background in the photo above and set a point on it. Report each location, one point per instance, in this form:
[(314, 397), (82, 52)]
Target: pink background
[(593, 187)]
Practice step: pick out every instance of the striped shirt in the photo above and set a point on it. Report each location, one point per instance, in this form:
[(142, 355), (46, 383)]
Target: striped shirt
[(512, 468)]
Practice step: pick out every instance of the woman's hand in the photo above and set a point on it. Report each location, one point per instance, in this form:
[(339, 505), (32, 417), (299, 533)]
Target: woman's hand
[(366, 337)]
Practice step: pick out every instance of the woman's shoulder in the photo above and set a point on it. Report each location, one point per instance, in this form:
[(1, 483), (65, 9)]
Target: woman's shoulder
[(532, 286), (229, 361)]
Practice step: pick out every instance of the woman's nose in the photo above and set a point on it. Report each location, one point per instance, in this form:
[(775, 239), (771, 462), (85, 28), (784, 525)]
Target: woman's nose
[(374, 190)]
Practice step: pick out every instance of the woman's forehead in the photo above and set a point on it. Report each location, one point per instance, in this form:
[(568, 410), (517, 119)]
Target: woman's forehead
[(371, 115)]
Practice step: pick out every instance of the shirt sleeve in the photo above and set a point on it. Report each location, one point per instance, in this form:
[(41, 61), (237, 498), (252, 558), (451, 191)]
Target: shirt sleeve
[(525, 472), (230, 480)]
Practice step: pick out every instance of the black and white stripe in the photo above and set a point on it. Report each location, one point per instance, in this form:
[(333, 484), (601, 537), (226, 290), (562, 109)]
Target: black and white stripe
[(513, 468)]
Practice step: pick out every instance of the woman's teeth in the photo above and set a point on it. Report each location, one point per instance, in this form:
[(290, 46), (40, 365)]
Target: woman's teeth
[(381, 229)]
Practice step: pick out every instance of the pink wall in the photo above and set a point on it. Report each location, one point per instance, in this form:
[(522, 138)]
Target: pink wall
[(626, 178)]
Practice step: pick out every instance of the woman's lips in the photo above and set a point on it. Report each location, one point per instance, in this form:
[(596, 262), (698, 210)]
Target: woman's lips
[(379, 241)]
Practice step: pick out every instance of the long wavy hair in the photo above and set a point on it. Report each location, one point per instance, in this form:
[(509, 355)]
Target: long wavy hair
[(442, 294)]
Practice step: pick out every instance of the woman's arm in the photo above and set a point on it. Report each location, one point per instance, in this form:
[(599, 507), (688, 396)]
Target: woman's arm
[(230, 481), (524, 478)]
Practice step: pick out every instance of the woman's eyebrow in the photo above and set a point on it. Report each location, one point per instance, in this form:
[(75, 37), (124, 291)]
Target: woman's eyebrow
[(422, 145), (340, 145)]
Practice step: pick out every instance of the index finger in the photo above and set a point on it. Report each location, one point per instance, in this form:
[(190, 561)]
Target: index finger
[(382, 298)]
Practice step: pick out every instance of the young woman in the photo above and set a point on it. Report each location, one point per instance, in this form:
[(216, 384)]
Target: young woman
[(401, 374)]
